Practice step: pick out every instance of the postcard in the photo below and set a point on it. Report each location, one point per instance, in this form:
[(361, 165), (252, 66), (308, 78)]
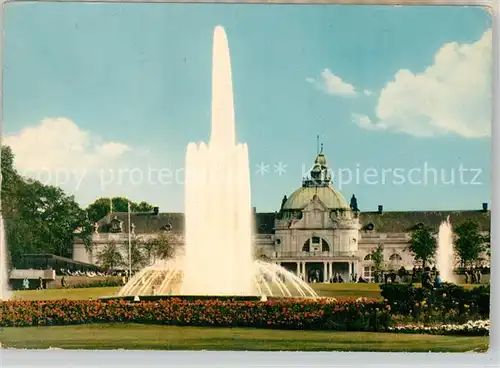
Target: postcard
[(249, 177)]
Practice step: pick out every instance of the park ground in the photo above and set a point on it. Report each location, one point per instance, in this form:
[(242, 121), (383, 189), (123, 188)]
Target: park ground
[(136, 336)]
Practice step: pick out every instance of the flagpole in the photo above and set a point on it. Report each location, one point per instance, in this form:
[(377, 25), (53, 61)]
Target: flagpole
[(129, 245)]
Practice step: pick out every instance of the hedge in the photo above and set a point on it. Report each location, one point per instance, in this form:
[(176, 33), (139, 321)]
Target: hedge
[(406, 299), (96, 284), (344, 315)]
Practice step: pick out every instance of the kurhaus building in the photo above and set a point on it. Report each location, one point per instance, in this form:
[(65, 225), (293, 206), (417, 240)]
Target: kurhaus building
[(315, 233)]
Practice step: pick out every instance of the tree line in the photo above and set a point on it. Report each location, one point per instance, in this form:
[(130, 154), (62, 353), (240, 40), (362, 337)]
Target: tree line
[(143, 252), (469, 245)]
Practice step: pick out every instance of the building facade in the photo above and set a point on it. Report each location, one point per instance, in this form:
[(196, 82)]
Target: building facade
[(315, 234)]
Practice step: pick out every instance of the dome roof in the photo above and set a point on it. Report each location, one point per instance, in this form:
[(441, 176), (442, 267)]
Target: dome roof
[(326, 194)]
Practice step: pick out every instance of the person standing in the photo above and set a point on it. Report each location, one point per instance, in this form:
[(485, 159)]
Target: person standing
[(426, 278), (437, 280)]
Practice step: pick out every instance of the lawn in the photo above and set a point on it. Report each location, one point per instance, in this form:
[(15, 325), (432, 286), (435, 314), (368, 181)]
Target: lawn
[(331, 290), (72, 294), (151, 337), (347, 290)]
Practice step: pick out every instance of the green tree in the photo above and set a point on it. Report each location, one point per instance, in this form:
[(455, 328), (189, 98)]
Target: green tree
[(469, 243), (487, 244), (58, 217), (141, 207), (97, 210), (378, 258), (138, 258), (10, 180), (102, 206), (423, 245), (38, 218), (110, 257), (162, 246)]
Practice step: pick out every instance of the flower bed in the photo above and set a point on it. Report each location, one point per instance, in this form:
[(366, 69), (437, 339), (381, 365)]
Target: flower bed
[(346, 315), (471, 328)]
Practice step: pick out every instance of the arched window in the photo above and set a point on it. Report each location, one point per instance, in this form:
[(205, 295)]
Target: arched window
[(324, 246), (316, 243), (368, 257), (395, 257), (306, 247)]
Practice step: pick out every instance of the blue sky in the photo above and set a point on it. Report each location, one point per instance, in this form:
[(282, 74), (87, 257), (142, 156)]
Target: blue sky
[(107, 87)]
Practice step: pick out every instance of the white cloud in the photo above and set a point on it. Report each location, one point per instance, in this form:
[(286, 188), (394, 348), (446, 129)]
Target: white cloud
[(365, 122), (58, 152), (59, 144), (332, 84), (453, 95), (367, 92)]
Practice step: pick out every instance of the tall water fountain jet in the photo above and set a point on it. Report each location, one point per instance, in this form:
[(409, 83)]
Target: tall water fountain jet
[(4, 272), (218, 256), (445, 254)]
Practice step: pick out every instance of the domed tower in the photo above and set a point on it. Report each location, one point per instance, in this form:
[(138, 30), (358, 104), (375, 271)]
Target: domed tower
[(318, 185), (316, 225)]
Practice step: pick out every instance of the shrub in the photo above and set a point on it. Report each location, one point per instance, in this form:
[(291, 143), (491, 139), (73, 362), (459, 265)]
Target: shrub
[(447, 302), (96, 284), (347, 315)]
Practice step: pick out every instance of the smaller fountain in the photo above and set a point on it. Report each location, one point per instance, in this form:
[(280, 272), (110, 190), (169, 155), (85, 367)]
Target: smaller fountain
[(445, 254), (5, 293), (166, 278)]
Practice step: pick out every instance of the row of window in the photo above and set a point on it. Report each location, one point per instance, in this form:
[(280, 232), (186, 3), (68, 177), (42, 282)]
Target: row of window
[(393, 257)]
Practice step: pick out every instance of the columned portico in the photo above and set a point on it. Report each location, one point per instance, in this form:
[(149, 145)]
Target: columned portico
[(321, 269)]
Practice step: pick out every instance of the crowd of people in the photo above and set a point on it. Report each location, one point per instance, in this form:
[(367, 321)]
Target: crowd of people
[(427, 276), (473, 276)]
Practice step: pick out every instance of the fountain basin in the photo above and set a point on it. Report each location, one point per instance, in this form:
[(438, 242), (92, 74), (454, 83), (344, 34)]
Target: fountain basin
[(167, 278), (190, 298)]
